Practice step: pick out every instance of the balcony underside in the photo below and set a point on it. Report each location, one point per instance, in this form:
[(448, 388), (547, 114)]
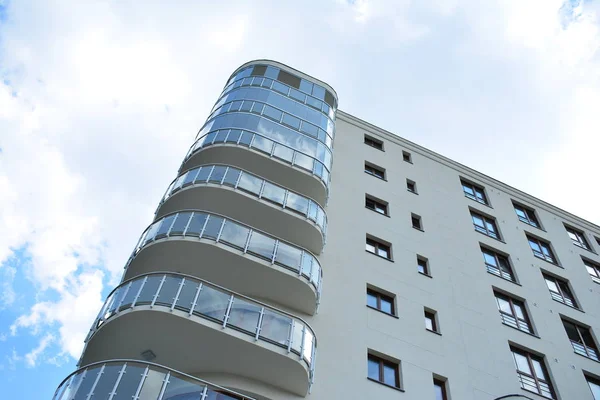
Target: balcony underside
[(260, 164), (245, 208), (195, 346), (227, 267)]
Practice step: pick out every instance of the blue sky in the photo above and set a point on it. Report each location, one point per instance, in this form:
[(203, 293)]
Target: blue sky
[(100, 100)]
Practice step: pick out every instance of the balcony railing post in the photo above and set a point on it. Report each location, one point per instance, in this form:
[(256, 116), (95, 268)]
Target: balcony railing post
[(226, 316), (248, 241), (237, 181), (195, 299), (91, 393), (123, 297), (262, 187), (226, 170), (158, 290), (292, 326), (136, 396), (164, 386), (285, 197), (114, 389), (178, 292), (302, 343), (188, 224), (221, 230), (210, 173), (274, 252), (204, 393), (139, 291), (204, 225), (259, 325)]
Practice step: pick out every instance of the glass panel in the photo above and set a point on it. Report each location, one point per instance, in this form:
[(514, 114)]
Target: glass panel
[(231, 177), (288, 255), (429, 323), (151, 232), (260, 143), (131, 293), (261, 245), (179, 389), (439, 391), (244, 315), (489, 258), (521, 363), (504, 305), (217, 174), (273, 193), (164, 227), (307, 261), (87, 383), (250, 183), (297, 336), (180, 223), (386, 306), (306, 86), (221, 136), (383, 252), (539, 369), (304, 161), (213, 226), (297, 202), (107, 381), (186, 296), (519, 310), (234, 234), (283, 153), (552, 285), (195, 226), (276, 327), (389, 375), (291, 121), (371, 300), (167, 293), (234, 134), (189, 177), (308, 341), (272, 113), (212, 303), (203, 174), (152, 384), (149, 289), (595, 388), (129, 382), (245, 139), (70, 391), (373, 367)]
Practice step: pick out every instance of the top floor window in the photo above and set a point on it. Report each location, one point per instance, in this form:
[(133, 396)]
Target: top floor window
[(578, 238), (474, 192), (376, 143), (526, 215)]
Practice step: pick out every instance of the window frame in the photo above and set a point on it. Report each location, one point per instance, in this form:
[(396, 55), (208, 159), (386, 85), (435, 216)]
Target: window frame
[(431, 315), (486, 220), (407, 157), (377, 203), (577, 237), (375, 171), (541, 243), (589, 379), (425, 261), (531, 220), (377, 244), (526, 320), (382, 362), (581, 347), (373, 142), (500, 259), (412, 183), (594, 267), (475, 188), (414, 217), (559, 296), (379, 296), (532, 374), (441, 383)]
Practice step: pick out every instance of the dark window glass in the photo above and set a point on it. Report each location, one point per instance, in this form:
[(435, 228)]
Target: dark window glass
[(380, 301), (497, 264), (593, 269), (541, 249), (440, 389), (377, 172), (532, 373), (582, 340), (430, 323), (376, 206), (289, 79), (180, 223), (513, 313), (578, 238), (259, 70), (384, 371), (416, 222), (422, 266), (329, 99), (406, 157), (380, 249), (526, 215), (474, 192), (411, 186), (485, 225), (560, 291), (213, 226), (369, 141)]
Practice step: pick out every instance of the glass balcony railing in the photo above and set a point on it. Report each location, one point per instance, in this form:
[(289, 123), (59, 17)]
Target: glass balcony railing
[(250, 183), (215, 228), (264, 145), (211, 302), (130, 379)]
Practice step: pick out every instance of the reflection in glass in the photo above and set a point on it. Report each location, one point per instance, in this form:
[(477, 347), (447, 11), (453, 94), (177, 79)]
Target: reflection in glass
[(244, 315), (212, 303)]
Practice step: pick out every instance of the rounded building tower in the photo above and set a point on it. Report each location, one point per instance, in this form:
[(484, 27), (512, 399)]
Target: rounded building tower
[(218, 294)]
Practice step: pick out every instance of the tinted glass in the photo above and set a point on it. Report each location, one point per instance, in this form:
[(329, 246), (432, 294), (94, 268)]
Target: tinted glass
[(149, 289), (179, 389), (244, 315), (107, 381), (261, 245), (276, 327), (234, 234), (180, 223), (213, 226), (130, 381), (373, 367), (169, 288), (195, 226), (288, 255), (212, 303), (389, 375), (371, 300)]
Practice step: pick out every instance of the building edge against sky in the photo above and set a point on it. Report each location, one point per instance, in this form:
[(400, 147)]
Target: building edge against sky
[(252, 281)]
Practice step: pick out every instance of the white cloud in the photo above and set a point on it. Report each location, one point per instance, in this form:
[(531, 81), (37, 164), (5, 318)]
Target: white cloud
[(31, 358)]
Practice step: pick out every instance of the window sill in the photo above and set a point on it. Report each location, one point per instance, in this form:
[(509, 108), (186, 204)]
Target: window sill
[(478, 202), (377, 255), (491, 237), (507, 280), (527, 333), (386, 385), (383, 312), (375, 176), (418, 229), (370, 209), (536, 393), (581, 355), (437, 333), (412, 191), (427, 275)]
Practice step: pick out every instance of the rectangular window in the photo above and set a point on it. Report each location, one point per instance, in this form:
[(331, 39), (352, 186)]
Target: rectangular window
[(376, 205), (582, 340), (423, 266), (411, 186), (406, 156), (431, 321), (380, 301), (593, 269), (375, 171), (474, 192), (378, 248), (532, 373), (378, 144), (513, 312), (383, 371), (485, 225), (416, 221), (541, 249), (578, 238), (439, 387), (526, 215), (497, 264), (560, 291), (594, 385)]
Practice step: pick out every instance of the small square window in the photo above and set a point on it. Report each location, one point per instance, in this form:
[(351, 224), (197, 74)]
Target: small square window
[(375, 171), (416, 222), (406, 156), (376, 143), (542, 249), (411, 186), (380, 301), (474, 192), (423, 265), (383, 371), (485, 225), (431, 321), (578, 238), (378, 248), (376, 205)]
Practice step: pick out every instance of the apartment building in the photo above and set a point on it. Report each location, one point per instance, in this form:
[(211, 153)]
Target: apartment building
[(301, 252)]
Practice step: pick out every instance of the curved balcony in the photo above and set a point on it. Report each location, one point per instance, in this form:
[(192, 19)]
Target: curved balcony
[(245, 196), (266, 158), (126, 379), (233, 254), (198, 327)]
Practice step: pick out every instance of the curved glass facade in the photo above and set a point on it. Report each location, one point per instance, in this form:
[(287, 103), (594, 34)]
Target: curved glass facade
[(250, 183), (205, 300), (215, 228), (130, 379)]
